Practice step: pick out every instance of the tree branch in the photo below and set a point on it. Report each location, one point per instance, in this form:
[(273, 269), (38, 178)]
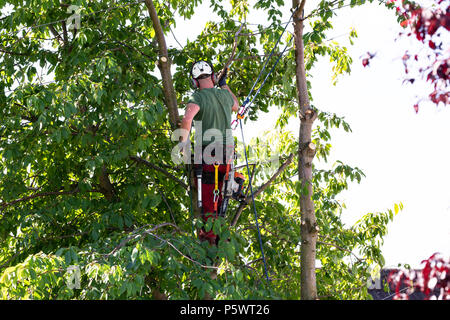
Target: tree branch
[(164, 66), (37, 195), (65, 35), (233, 52), (261, 189), (340, 248), (163, 171), (165, 200), (12, 52), (106, 186), (56, 34), (134, 235)]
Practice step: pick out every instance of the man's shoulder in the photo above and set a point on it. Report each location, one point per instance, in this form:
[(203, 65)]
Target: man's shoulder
[(223, 92), (217, 92), (195, 97)]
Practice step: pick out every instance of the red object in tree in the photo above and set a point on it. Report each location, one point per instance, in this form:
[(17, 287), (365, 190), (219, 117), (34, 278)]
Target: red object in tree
[(431, 44), (365, 62), (369, 56), (429, 26), (433, 280)]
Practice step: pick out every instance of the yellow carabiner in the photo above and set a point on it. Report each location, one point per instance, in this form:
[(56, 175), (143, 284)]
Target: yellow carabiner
[(216, 177)]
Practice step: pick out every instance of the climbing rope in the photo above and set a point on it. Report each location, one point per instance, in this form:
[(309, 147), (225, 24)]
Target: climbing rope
[(247, 102), (254, 207), (240, 116)]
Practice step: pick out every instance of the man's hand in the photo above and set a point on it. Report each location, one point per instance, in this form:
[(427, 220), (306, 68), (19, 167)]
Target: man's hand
[(223, 78)]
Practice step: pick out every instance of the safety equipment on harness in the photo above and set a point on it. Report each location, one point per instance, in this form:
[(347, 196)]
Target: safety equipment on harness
[(216, 186), (226, 187), (198, 170), (202, 68), (232, 185), (231, 188), (238, 184)]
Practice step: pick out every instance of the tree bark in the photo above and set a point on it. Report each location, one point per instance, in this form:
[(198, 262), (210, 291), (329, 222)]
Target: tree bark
[(105, 184), (306, 152), (164, 67)]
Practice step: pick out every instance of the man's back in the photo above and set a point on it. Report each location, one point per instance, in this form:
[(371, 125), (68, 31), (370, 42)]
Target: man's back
[(215, 111)]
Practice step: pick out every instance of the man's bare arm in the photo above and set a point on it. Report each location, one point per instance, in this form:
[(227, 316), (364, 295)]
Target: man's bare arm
[(235, 106), (191, 110)]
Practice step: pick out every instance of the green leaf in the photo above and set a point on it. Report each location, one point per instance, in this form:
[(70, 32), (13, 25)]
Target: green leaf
[(217, 226), (208, 225)]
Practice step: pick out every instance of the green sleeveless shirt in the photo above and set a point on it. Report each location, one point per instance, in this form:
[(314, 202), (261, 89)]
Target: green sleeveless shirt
[(215, 111)]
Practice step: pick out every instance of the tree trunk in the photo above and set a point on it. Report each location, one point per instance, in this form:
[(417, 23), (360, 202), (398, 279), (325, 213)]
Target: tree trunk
[(164, 67), (306, 152)]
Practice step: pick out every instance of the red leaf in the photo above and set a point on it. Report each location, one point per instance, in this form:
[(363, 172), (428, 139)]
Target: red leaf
[(431, 44), (404, 23), (433, 26), (365, 62), (416, 108)]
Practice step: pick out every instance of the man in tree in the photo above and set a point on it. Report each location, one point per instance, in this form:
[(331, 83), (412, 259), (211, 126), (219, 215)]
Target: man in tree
[(211, 109)]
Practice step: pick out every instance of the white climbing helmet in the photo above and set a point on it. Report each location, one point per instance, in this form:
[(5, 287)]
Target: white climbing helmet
[(201, 68)]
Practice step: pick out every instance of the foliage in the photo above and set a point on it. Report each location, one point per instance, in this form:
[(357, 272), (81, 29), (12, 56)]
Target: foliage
[(433, 280), (87, 186), (430, 26)]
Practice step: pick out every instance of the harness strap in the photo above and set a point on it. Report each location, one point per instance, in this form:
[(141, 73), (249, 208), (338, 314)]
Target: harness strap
[(209, 177), (216, 187)]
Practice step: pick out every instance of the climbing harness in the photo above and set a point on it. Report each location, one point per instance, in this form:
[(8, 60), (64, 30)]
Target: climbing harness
[(226, 186), (198, 170), (232, 185)]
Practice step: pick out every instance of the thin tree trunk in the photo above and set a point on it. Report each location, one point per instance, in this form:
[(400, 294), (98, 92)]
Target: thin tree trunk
[(306, 154), (164, 67)]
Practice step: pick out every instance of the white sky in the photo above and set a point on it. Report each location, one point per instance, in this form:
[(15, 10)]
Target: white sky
[(404, 155)]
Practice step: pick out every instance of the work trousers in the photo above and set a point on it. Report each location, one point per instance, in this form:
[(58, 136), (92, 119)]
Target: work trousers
[(208, 185)]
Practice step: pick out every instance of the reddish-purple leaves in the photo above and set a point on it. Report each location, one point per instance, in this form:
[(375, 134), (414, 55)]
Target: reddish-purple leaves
[(366, 60), (433, 280), (424, 25)]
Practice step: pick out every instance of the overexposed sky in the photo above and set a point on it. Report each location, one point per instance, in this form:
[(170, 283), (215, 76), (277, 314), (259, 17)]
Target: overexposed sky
[(404, 155)]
